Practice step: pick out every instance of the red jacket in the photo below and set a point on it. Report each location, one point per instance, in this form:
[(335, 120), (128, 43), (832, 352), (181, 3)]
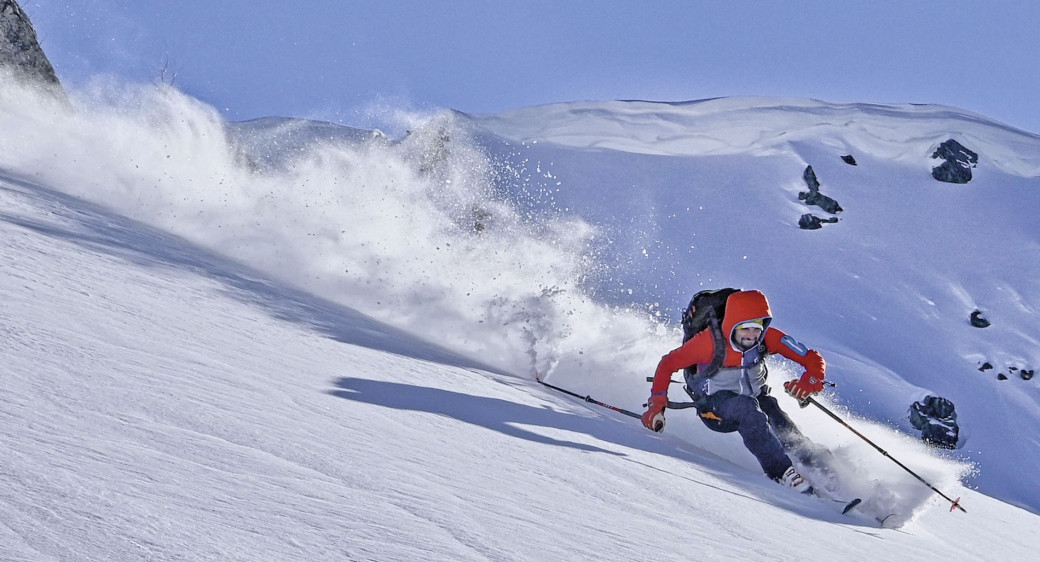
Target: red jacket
[(740, 307)]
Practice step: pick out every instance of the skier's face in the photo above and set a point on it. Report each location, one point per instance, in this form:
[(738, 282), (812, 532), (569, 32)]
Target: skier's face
[(746, 338)]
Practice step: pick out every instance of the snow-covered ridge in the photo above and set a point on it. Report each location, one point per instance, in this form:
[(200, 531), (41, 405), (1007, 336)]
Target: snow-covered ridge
[(270, 142), (762, 125)]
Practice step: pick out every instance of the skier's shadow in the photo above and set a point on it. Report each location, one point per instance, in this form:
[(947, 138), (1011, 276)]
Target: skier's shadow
[(506, 417), (492, 413)]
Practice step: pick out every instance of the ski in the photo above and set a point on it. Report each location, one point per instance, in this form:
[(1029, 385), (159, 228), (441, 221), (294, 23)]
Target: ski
[(850, 505), (886, 521), (889, 521), (847, 505)]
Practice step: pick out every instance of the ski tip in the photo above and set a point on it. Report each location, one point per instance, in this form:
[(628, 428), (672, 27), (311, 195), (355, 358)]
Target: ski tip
[(851, 505), (888, 521)]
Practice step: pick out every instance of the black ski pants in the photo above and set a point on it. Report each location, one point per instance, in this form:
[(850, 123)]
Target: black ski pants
[(765, 429)]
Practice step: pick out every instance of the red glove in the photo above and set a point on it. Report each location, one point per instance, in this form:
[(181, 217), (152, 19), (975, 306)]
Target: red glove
[(653, 419), (804, 387)]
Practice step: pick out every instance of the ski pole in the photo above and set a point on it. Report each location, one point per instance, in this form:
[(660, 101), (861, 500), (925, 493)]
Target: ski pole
[(954, 503), (588, 399)]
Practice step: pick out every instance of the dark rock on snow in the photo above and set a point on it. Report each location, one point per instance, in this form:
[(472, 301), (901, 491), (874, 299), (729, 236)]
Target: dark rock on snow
[(936, 417), (1026, 374), (849, 159), (809, 176), (977, 320), (812, 222), (957, 165), (814, 197)]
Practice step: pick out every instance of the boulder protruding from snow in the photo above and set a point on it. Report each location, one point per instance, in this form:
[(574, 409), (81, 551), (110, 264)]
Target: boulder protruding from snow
[(813, 222), (848, 159), (957, 165), (814, 197), (936, 417), (977, 320), (20, 52), (809, 176)]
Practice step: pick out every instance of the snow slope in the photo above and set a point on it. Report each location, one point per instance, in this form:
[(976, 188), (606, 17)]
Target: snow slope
[(705, 194), (213, 355)]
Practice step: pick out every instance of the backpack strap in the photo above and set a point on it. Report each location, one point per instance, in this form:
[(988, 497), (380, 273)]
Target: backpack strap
[(718, 350)]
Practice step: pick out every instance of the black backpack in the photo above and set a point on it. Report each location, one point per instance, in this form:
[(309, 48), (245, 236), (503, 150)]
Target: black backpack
[(705, 312)]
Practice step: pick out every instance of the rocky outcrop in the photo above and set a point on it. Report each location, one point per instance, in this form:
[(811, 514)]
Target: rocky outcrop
[(814, 197), (976, 319), (809, 221), (957, 164), (936, 417), (1025, 374), (20, 52)]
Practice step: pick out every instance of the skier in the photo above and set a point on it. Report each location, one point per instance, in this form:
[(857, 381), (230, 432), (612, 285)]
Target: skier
[(734, 397)]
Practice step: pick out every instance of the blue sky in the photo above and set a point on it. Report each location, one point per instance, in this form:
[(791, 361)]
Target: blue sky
[(334, 59)]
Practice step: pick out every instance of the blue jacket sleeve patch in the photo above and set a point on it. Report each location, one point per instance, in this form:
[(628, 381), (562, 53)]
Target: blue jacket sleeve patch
[(794, 345)]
